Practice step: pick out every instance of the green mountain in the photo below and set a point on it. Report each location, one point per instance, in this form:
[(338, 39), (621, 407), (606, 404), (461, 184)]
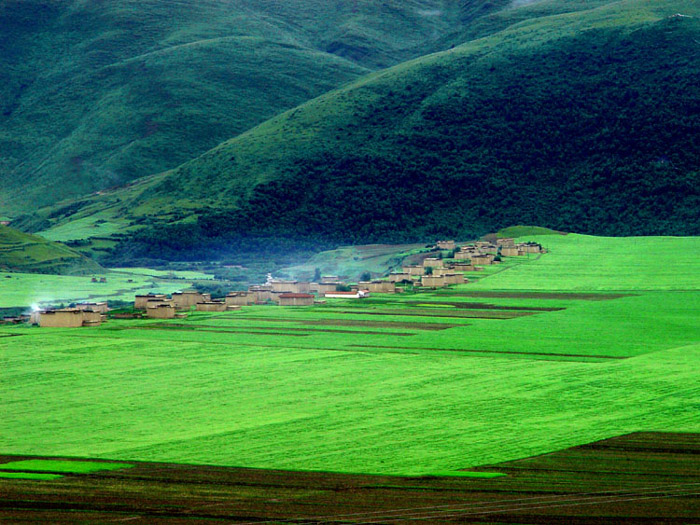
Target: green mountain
[(22, 252), (96, 94), (575, 119)]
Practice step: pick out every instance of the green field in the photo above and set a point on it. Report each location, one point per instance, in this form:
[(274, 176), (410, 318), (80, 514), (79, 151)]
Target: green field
[(28, 289), (66, 467), (405, 384)]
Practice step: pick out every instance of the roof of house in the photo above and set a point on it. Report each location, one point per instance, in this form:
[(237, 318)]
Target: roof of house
[(295, 295)]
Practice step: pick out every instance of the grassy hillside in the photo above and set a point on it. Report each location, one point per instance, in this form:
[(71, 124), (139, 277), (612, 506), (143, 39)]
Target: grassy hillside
[(580, 121), (98, 93), (22, 252), (343, 386)]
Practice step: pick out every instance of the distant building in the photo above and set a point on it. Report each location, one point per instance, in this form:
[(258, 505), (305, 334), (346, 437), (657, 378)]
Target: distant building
[(296, 299), (511, 251), (378, 286), (432, 262), (241, 298), (446, 245), (95, 307), (506, 242), (290, 286), (454, 278), (188, 298), (212, 306), (161, 311), (483, 260), (414, 269), (69, 318), (430, 281), (141, 301), (400, 277), (327, 287)]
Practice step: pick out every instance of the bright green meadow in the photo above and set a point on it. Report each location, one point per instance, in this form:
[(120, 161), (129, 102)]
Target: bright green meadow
[(597, 338)]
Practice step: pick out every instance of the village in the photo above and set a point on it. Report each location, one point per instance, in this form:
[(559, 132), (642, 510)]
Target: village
[(446, 264)]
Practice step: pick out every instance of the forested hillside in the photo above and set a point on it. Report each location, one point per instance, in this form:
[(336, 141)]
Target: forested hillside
[(582, 123), (97, 93)]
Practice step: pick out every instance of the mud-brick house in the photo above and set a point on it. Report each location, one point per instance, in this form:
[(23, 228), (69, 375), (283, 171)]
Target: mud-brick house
[(465, 254), (161, 311), (431, 281), (141, 301), (463, 267), (69, 318), (377, 286), (483, 259), (325, 288), (506, 242), (290, 286), (454, 278), (102, 308), (263, 293), (433, 262), (398, 277), (189, 298), (212, 306), (296, 299), (511, 251), (446, 245), (326, 279), (240, 298), (413, 269), (531, 247)]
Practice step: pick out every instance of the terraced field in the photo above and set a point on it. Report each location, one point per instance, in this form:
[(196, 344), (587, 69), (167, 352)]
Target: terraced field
[(404, 384), (631, 479)]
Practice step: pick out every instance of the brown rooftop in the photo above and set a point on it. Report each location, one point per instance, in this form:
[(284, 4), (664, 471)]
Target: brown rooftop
[(295, 295)]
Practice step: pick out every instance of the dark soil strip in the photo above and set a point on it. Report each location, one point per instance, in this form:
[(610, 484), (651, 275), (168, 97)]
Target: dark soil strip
[(359, 323), (638, 487), (564, 296), (485, 306), (495, 352), (12, 335), (177, 329), (439, 313), (209, 328)]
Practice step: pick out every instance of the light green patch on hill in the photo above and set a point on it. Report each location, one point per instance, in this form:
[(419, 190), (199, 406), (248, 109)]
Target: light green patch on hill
[(582, 262), (63, 466), (23, 252), (521, 231), (29, 475), (353, 261), (25, 290)]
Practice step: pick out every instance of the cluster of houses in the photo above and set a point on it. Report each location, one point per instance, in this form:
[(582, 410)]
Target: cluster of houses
[(432, 272)]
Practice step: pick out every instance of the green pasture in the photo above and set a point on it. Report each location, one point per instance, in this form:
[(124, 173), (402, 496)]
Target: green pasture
[(27, 289), (63, 466), (29, 475), (398, 384), (587, 263)]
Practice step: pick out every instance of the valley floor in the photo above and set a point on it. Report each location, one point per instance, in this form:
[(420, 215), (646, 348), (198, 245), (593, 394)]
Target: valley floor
[(406, 384)]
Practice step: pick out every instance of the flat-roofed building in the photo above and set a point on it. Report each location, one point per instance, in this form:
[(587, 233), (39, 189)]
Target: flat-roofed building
[(161, 311), (506, 242), (212, 306), (446, 245), (414, 269), (431, 281), (102, 308), (432, 262), (399, 277), (511, 251), (69, 318), (454, 278), (296, 299), (240, 298), (483, 260), (189, 298), (377, 286), (141, 301)]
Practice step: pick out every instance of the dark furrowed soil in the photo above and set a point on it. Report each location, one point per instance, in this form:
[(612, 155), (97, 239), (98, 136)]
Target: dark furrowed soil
[(630, 479), (564, 296)]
